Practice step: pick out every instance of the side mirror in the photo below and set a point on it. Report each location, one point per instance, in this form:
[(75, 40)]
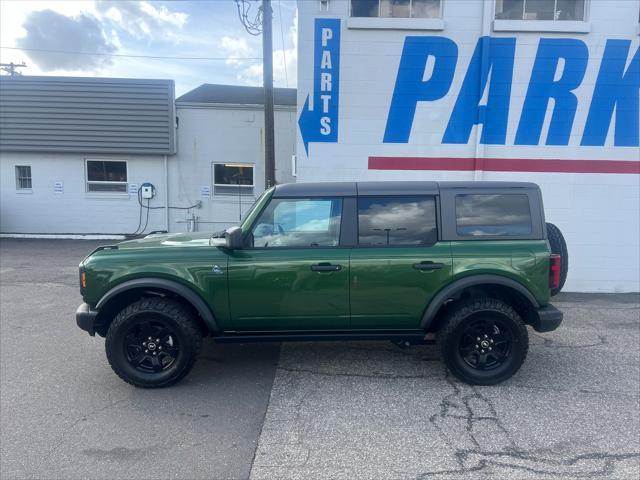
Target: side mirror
[(232, 239)]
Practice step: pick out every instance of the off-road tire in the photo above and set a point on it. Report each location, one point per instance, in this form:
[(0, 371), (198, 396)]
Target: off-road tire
[(180, 321), (460, 317), (559, 246)]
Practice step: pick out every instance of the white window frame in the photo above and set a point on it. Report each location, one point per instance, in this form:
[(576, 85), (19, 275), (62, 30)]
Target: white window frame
[(397, 23), (249, 189), (103, 192), (551, 26), (18, 178)]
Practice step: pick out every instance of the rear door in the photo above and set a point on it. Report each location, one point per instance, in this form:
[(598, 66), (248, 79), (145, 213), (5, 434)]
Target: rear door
[(398, 264), (293, 275)]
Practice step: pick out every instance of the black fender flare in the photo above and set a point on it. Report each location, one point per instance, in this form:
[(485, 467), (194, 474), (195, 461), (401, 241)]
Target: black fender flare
[(185, 292), (457, 286)]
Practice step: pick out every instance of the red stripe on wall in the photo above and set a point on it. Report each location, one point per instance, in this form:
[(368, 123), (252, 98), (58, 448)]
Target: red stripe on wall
[(504, 165)]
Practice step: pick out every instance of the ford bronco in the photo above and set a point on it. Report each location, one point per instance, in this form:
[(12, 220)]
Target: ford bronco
[(465, 264)]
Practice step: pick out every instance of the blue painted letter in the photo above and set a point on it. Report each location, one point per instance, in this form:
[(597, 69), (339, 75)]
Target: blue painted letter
[(410, 87), (542, 88), (619, 89), (493, 55)]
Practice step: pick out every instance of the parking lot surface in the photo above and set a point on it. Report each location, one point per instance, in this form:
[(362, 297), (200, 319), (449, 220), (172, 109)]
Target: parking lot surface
[(308, 410)]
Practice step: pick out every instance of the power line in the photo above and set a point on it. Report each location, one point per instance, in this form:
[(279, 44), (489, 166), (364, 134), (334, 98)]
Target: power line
[(12, 68), (128, 56), (252, 23), (284, 53)]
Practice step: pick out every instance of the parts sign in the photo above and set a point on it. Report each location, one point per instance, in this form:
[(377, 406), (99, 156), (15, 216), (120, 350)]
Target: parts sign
[(484, 95), (319, 118)]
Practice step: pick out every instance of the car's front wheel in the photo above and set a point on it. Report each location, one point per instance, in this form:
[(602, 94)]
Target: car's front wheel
[(484, 341), (153, 342)]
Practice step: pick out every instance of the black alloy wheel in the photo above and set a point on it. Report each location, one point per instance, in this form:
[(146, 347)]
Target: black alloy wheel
[(151, 345), (485, 344), (483, 341), (153, 342)]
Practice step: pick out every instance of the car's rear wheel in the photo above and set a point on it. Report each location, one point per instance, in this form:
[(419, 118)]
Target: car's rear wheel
[(153, 342), (484, 341), (558, 245)]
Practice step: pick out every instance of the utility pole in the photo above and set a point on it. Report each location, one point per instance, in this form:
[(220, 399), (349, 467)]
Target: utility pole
[(267, 80), (12, 68), (255, 25)]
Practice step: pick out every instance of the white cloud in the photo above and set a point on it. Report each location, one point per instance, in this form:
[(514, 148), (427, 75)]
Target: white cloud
[(236, 48), (250, 72), (142, 19)]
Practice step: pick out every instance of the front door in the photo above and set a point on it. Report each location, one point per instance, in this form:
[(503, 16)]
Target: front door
[(292, 275), (399, 264)]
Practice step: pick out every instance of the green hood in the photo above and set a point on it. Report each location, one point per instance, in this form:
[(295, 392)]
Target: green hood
[(200, 239)]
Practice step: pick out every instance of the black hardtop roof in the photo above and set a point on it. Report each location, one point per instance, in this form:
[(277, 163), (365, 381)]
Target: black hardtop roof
[(352, 189)]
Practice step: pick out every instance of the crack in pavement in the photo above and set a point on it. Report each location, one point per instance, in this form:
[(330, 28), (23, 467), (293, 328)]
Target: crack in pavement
[(459, 407), (589, 465)]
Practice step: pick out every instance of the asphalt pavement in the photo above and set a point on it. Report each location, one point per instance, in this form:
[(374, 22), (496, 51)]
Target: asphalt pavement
[(308, 410), (65, 415)]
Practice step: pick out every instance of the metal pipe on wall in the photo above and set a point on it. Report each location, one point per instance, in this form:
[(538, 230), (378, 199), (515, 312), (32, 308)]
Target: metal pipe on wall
[(166, 192)]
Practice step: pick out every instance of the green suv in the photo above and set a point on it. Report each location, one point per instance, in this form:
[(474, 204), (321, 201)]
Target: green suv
[(466, 264)]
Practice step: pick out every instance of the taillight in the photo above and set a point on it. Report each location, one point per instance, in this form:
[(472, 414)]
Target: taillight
[(554, 270)]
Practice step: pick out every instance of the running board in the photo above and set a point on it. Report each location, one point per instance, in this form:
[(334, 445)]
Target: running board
[(413, 337)]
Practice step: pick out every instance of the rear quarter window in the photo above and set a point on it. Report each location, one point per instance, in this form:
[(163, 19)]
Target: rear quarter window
[(482, 215)]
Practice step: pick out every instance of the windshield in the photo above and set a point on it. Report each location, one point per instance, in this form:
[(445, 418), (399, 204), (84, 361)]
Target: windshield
[(250, 214)]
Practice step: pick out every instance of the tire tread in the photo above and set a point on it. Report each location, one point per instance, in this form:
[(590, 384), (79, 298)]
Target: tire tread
[(460, 312), (170, 308)]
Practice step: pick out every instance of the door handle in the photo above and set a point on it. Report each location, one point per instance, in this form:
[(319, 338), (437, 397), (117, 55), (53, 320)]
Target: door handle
[(428, 265), (326, 267)]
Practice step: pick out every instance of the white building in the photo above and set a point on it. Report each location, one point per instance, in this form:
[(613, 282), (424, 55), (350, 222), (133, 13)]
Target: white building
[(74, 153), (221, 143), (535, 90)]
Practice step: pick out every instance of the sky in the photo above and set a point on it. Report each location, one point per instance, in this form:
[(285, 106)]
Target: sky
[(127, 33)]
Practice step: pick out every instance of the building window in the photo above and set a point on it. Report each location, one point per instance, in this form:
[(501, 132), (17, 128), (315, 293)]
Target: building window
[(493, 215), (540, 10), (23, 177), (299, 222), (396, 221), (233, 178), (396, 8), (106, 176)]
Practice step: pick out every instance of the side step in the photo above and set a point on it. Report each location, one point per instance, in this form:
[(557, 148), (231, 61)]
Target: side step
[(413, 337)]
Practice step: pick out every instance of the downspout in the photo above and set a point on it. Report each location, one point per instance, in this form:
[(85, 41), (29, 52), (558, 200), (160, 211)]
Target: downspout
[(487, 10), (166, 192)]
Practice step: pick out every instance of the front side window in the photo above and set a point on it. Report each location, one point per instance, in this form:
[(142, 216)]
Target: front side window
[(493, 215), (291, 222), (396, 221), (106, 176), (396, 8), (23, 177), (540, 10), (233, 178)]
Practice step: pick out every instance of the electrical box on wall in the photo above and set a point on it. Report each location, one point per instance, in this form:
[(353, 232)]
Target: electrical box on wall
[(147, 190)]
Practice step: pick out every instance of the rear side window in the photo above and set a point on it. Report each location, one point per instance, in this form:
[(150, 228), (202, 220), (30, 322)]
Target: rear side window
[(493, 215), (396, 221)]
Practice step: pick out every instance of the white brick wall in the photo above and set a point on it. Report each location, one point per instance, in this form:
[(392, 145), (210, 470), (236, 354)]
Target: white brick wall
[(598, 213)]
